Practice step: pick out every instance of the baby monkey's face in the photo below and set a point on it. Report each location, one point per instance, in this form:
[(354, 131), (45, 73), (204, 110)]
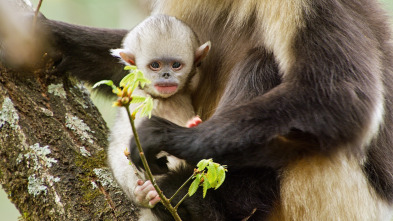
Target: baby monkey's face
[(169, 63), (166, 50), (168, 74)]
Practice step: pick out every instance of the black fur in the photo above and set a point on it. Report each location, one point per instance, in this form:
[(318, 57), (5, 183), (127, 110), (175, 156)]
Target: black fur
[(84, 51), (246, 194), (261, 184), (322, 104), (266, 119)]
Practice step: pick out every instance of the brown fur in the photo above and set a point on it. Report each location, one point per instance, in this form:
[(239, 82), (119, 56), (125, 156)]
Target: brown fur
[(328, 188), (295, 95), (313, 188)]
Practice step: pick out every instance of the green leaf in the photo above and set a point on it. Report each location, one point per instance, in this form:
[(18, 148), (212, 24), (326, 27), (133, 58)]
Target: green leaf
[(206, 186), (213, 178), (106, 82), (220, 176), (147, 107), (194, 186), (116, 90), (211, 174), (132, 88), (129, 79), (140, 106), (143, 82), (202, 164), (130, 67), (134, 78), (136, 110), (140, 78), (138, 99)]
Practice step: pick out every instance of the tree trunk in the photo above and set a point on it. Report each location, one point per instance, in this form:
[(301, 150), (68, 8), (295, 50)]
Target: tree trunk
[(52, 147), (53, 159)]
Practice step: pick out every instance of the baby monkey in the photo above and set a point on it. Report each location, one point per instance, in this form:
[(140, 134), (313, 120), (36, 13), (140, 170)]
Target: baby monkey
[(168, 52)]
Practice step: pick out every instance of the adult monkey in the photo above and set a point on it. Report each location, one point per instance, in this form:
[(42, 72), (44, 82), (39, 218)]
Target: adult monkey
[(320, 139)]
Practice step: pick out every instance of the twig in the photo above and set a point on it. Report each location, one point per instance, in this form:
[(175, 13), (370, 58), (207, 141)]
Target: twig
[(164, 200), (182, 186), (136, 171), (36, 14), (184, 198)]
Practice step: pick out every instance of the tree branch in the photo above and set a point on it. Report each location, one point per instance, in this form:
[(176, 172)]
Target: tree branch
[(52, 146)]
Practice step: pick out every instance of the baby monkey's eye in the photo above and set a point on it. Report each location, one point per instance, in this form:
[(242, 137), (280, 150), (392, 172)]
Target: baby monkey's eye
[(176, 65), (155, 65)]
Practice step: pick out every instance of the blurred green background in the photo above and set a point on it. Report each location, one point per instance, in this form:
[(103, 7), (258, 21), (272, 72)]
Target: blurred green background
[(99, 13)]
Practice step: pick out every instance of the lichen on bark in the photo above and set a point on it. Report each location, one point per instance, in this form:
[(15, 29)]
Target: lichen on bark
[(48, 164)]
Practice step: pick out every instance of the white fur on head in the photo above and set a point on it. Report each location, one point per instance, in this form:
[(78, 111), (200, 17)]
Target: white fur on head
[(157, 37), (160, 31), (161, 37), (116, 52)]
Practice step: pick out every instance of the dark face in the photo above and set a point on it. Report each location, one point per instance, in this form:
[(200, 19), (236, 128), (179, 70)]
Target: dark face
[(166, 83)]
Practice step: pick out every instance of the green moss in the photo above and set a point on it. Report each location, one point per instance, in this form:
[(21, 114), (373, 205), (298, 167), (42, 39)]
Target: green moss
[(88, 165), (24, 216), (88, 193)]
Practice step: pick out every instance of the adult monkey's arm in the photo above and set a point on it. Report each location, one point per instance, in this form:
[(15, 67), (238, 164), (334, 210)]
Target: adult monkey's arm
[(82, 51)]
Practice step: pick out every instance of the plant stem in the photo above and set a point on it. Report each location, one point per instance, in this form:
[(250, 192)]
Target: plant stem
[(182, 186), (164, 200), (136, 171), (36, 14), (178, 204)]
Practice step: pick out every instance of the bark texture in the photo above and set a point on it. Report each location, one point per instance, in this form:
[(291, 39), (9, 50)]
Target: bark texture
[(52, 149)]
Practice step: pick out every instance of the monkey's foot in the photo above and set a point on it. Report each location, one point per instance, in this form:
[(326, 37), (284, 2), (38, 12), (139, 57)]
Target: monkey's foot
[(145, 194)]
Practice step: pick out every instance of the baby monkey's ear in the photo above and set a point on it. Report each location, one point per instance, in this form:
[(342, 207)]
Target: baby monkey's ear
[(201, 53), (127, 57)]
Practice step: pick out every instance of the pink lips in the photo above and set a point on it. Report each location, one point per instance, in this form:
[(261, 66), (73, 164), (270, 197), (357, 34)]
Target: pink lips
[(166, 88)]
